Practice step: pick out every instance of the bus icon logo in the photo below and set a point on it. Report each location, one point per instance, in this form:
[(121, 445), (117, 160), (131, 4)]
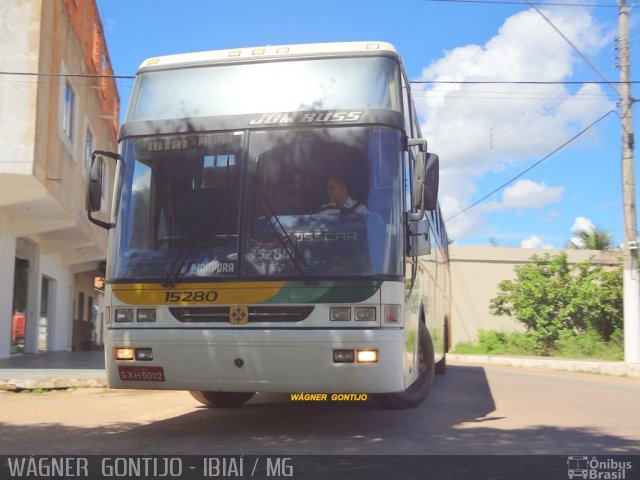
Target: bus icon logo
[(239, 314), (578, 467)]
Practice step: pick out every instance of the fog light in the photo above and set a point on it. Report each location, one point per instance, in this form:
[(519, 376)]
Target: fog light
[(144, 354), (124, 353), (343, 356), (146, 314), (340, 314), (364, 314), (124, 315), (367, 356)]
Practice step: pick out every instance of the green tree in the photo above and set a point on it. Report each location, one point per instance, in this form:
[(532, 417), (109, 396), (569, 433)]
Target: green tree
[(551, 297), (591, 239)]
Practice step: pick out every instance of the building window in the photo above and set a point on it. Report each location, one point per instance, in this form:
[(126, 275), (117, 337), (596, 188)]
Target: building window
[(69, 105), (88, 149)]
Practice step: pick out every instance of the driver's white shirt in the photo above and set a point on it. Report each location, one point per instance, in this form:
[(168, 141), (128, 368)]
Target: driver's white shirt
[(361, 208)]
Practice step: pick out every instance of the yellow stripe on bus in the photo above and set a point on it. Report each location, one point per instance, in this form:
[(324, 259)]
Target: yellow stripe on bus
[(196, 293)]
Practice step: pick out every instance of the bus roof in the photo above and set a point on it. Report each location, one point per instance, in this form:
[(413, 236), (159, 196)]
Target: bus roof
[(267, 52)]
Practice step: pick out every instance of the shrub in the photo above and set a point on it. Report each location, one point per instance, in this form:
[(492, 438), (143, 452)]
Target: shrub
[(550, 297)]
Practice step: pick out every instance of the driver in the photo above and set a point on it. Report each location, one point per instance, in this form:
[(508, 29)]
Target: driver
[(338, 194)]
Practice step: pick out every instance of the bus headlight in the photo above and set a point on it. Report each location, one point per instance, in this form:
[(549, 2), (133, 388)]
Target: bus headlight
[(340, 314), (365, 314), (146, 314), (124, 315)]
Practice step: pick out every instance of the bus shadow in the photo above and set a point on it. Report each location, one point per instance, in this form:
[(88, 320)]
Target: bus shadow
[(457, 418)]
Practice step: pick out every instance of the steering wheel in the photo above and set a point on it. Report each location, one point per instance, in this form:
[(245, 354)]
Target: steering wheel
[(340, 209)]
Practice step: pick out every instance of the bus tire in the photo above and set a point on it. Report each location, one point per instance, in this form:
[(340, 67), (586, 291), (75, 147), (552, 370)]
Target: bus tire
[(419, 390), (222, 399), (441, 365)]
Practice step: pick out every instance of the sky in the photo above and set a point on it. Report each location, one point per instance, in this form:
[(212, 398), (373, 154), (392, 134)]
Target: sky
[(486, 134)]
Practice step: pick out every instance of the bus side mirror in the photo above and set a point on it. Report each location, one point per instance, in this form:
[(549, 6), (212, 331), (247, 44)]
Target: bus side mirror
[(95, 186), (431, 182), (419, 244), (426, 178), (418, 172)]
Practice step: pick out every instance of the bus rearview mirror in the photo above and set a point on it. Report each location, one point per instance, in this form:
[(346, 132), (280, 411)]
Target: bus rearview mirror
[(94, 188), (431, 181)]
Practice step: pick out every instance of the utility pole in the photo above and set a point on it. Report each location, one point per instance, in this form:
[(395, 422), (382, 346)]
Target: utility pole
[(631, 280)]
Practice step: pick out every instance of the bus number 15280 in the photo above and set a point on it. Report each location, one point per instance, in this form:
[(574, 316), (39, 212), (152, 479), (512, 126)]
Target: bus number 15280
[(179, 296)]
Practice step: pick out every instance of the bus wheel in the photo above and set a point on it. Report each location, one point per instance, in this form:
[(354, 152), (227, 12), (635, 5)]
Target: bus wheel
[(418, 391), (441, 365), (222, 399)]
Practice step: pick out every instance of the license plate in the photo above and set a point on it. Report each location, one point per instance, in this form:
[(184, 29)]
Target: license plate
[(140, 374)]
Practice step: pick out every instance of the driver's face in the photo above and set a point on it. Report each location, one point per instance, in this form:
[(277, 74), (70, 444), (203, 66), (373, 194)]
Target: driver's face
[(336, 192)]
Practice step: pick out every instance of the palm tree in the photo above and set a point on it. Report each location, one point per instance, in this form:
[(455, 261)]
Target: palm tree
[(591, 239)]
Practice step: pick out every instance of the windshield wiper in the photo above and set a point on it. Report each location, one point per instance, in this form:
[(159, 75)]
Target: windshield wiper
[(183, 254), (192, 239), (286, 242)]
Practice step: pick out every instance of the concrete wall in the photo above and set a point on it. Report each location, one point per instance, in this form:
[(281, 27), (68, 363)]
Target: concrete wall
[(475, 274), (43, 170), (19, 52)]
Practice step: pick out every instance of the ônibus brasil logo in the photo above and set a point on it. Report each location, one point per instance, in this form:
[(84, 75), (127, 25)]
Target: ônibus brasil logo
[(594, 468)]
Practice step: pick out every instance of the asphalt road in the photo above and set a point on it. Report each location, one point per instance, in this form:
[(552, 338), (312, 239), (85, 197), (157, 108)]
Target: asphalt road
[(471, 410)]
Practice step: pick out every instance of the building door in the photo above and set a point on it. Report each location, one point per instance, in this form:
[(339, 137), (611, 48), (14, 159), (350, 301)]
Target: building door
[(20, 296), (43, 319)]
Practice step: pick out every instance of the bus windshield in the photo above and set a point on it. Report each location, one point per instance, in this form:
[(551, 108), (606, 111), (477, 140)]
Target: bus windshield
[(321, 203), (277, 86)]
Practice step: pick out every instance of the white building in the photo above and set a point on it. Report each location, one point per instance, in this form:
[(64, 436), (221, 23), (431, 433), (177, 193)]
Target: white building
[(49, 252), (476, 273)]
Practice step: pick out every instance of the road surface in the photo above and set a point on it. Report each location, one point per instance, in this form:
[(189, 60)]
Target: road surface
[(471, 410)]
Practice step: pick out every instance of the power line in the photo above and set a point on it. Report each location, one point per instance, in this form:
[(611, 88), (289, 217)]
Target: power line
[(543, 4), (80, 75), (577, 50), (416, 82), (532, 166), (522, 82)]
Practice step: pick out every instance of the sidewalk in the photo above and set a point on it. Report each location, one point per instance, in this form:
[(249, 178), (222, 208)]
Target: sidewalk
[(52, 370), (618, 369)]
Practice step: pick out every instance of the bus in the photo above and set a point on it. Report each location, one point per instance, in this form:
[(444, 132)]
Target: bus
[(274, 227)]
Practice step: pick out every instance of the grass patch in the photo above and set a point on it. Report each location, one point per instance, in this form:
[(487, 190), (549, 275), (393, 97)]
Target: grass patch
[(590, 345), (570, 345)]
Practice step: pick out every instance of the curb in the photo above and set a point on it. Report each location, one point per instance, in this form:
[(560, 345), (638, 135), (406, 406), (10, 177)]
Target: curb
[(18, 380), (619, 369)]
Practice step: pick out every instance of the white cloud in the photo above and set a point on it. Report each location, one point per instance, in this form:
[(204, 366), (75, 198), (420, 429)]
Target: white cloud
[(582, 223), (529, 194), (477, 129), (535, 241), (525, 194)]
